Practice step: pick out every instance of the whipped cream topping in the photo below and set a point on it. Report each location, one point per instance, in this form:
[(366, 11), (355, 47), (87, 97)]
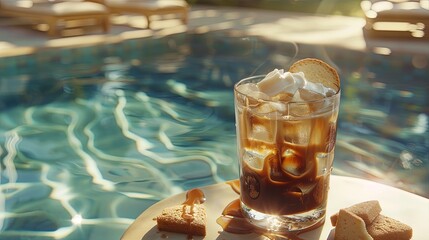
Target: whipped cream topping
[(280, 81)]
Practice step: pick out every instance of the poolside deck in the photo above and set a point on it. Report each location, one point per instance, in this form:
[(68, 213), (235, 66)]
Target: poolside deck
[(17, 37)]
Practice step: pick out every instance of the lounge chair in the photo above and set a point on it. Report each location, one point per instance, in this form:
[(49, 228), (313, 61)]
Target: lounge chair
[(52, 12), (396, 19), (149, 8)]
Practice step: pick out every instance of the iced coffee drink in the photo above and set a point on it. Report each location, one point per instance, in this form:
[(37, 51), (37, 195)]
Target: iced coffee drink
[(286, 131)]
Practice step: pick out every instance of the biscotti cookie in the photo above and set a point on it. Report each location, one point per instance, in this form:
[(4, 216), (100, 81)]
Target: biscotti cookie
[(386, 228), (317, 71), (368, 211), (180, 219), (350, 227), (377, 226)]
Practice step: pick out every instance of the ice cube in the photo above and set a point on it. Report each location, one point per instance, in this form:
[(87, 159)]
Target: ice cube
[(292, 163), (308, 190), (251, 94), (276, 82), (247, 88), (270, 107), (297, 132), (314, 87), (255, 159), (323, 162), (318, 88), (251, 89), (259, 96), (283, 97), (297, 97), (299, 107), (265, 131), (306, 187), (310, 95), (260, 132)]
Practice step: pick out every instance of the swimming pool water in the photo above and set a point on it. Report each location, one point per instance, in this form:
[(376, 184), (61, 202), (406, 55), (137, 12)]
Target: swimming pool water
[(92, 136)]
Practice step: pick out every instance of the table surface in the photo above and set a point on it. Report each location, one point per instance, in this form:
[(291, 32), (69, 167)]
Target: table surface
[(406, 207)]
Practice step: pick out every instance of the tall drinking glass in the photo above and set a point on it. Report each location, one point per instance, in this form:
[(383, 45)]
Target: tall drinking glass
[(286, 151)]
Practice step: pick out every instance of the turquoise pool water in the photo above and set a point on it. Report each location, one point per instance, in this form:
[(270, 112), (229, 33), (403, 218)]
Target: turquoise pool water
[(92, 136)]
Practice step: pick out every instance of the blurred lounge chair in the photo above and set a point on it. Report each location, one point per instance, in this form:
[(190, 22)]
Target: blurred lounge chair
[(51, 12), (396, 18), (149, 8)]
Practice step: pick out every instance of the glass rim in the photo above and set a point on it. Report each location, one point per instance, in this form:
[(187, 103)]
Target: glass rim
[(336, 95)]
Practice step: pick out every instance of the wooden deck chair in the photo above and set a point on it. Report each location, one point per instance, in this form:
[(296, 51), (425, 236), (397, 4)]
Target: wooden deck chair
[(149, 8), (52, 12), (396, 19)]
